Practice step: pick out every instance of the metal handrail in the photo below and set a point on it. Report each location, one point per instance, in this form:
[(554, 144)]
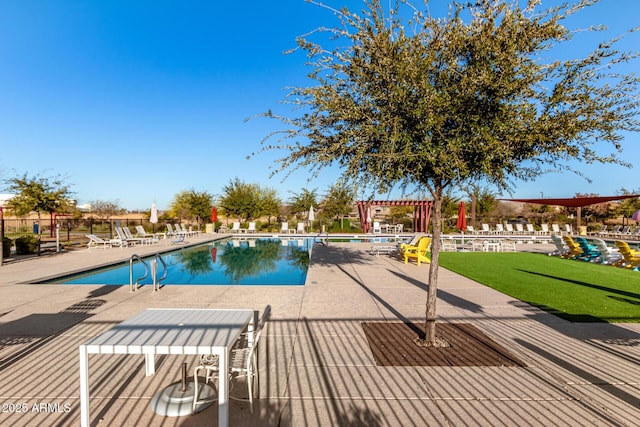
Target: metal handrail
[(318, 238), (154, 271), (146, 272)]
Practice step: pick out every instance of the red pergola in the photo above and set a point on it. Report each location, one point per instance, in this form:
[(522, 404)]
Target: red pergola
[(421, 212)]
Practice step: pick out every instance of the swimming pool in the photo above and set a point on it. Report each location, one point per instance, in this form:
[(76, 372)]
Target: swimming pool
[(246, 261)]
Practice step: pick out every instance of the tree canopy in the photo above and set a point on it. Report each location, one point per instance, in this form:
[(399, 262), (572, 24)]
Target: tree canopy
[(39, 194), (192, 205), (441, 102)]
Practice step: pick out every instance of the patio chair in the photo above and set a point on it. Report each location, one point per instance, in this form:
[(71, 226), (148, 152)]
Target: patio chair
[(122, 238), (486, 229), (608, 255), (478, 245), (284, 228), (418, 252), (251, 228), (575, 252), (561, 249), (555, 229), (568, 229), (300, 228), (189, 232), (376, 228), (141, 232), (499, 229), (531, 229), (544, 228), (589, 252), (509, 228), (630, 257), (143, 240), (236, 227), (520, 229), (243, 363)]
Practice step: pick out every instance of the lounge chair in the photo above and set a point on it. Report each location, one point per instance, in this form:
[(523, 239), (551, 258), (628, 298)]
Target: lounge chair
[(544, 228), (251, 228), (630, 257), (243, 363), (376, 228), (509, 228), (575, 252), (520, 229), (561, 248), (284, 228), (555, 229), (567, 229), (189, 232), (418, 252), (141, 232), (143, 240), (531, 229), (123, 239), (486, 229), (471, 229), (98, 241), (300, 228), (499, 229), (235, 228), (608, 255), (589, 252)]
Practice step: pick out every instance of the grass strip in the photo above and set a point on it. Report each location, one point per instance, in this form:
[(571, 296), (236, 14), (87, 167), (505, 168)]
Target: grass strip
[(577, 291)]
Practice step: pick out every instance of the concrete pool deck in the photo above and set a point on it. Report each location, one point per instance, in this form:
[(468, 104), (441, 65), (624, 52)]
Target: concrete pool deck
[(316, 366)]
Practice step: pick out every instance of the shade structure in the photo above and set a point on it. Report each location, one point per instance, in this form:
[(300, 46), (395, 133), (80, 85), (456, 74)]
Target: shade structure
[(461, 224), (214, 214), (636, 215), (153, 218)]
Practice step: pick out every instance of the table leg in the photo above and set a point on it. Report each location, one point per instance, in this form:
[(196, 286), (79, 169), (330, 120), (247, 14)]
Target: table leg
[(84, 387), (149, 364), (223, 388)]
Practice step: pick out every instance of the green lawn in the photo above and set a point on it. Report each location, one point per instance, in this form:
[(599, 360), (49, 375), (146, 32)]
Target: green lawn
[(574, 290)]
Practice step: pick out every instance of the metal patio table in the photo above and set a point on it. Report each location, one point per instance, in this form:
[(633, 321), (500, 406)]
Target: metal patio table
[(170, 331)]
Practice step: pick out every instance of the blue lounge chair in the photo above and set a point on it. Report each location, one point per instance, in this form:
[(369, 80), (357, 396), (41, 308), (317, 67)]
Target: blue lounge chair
[(589, 252)]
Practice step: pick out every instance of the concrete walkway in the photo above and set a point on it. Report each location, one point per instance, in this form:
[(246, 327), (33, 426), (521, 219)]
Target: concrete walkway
[(316, 367)]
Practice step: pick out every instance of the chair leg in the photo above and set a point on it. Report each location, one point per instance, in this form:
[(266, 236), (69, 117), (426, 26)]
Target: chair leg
[(195, 391)]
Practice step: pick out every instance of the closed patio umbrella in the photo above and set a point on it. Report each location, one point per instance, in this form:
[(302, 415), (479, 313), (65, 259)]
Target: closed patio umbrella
[(153, 218), (461, 224), (312, 217), (214, 214)]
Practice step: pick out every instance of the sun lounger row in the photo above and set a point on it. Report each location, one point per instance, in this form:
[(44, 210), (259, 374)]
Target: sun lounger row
[(619, 232), (124, 237), (520, 229), (596, 250)]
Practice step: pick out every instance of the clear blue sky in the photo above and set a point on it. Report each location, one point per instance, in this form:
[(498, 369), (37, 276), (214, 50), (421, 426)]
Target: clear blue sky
[(134, 101)]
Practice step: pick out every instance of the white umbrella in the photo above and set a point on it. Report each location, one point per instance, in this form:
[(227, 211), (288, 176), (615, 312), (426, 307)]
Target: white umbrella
[(153, 218), (312, 216)]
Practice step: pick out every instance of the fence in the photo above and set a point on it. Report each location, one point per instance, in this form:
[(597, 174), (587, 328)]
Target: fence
[(71, 229)]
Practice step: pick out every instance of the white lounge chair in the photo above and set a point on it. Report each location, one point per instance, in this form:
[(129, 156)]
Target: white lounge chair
[(499, 229), (555, 229), (509, 228), (300, 228), (544, 229), (236, 227), (97, 241), (251, 228), (486, 229), (376, 228), (284, 228), (531, 229), (519, 229)]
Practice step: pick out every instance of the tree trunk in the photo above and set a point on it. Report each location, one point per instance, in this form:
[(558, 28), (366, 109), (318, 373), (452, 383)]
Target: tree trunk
[(430, 322)]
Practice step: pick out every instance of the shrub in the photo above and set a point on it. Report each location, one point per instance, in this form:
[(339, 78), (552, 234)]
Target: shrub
[(6, 247), (26, 245)]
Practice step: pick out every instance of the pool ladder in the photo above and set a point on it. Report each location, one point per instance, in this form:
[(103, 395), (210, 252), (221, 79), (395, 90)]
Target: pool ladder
[(322, 237), (153, 265)]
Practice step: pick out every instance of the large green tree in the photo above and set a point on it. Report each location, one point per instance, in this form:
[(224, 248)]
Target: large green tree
[(192, 205), (299, 203), (248, 201), (441, 102)]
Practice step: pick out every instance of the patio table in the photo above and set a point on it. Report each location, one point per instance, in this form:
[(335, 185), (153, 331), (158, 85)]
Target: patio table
[(170, 331)]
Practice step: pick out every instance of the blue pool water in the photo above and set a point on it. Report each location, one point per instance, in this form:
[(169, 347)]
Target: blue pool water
[(260, 261)]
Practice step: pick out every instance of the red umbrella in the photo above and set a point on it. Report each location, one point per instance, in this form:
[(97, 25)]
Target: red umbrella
[(462, 218), (214, 214)]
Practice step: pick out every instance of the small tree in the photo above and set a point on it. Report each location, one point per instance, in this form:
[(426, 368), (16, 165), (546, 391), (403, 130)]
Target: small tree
[(338, 201), (105, 209), (38, 194), (300, 203), (442, 102)]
